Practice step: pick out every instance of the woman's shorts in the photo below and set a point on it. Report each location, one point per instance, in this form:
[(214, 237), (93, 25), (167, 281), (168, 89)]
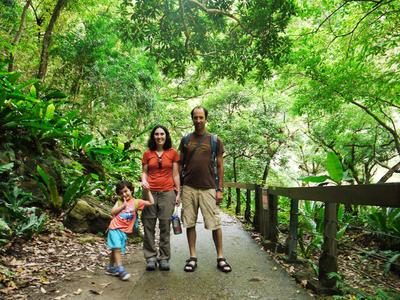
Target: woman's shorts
[(116, 239)]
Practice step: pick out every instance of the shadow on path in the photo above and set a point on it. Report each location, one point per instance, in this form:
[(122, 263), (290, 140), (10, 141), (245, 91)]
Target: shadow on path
[(254, 275)]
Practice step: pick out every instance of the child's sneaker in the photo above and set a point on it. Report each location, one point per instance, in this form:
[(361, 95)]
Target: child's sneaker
[(111, 270), (122, 274)]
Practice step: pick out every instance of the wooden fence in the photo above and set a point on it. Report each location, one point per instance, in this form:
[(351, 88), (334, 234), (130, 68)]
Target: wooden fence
[(266, 214)]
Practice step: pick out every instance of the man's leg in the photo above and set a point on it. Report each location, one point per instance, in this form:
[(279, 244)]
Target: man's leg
[(217, 237), (191, 238), (191, 263), (221, 261)]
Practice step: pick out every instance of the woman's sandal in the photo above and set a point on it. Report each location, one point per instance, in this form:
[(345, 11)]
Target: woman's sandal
[(190, 267), (224, 267)]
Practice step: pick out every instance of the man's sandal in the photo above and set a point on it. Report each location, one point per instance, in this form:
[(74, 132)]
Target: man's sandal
[(223, 265), (190, 266)]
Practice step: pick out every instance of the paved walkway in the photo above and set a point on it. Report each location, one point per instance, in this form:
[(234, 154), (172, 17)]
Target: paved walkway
[(254, 275)]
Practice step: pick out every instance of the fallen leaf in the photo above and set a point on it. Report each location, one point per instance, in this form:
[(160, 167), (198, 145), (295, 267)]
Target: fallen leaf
[(304, 282), (104, 285), (78, 292), (61, 297), (96, 292), (43, 290)]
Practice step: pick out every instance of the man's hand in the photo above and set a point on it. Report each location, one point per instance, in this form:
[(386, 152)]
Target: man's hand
[(218, 197)]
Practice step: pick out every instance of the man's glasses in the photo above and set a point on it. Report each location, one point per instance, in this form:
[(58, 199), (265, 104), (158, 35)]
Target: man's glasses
[(159, 162)]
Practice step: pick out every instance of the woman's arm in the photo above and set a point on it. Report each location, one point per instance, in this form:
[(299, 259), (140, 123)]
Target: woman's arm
[(144, 182)]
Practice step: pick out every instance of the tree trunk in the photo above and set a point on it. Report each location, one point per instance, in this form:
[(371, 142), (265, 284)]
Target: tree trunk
[(47, 39), (17, 36), (389, 173), (265, 174)]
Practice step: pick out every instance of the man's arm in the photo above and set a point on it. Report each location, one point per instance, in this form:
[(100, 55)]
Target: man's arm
[(177, 181), (220, 170)]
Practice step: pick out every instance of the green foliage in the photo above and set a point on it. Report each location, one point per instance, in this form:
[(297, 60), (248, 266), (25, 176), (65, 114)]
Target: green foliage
[(226, 38), (54, 201), (384, 220), (334, 169), (39, 118), (17, 220), (311, 226)]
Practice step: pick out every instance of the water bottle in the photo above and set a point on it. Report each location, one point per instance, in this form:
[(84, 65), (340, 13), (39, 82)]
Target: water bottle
[(176, 224)]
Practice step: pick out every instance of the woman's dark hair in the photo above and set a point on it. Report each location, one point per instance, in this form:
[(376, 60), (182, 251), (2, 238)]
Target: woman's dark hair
[(123, 183), (200, 107), (152, 143)]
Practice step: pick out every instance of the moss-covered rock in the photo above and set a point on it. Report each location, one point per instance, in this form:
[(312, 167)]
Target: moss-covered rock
[(89, 216)]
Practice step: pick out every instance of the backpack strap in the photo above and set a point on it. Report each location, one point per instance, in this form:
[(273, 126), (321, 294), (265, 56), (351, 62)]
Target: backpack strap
[(185, 143), (214, 151)]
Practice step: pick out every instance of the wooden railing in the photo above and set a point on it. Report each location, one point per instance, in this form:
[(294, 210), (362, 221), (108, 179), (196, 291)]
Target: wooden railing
[(265, 218)]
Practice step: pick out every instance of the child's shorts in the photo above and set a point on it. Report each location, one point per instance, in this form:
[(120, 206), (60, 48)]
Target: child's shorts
[(116, 239)]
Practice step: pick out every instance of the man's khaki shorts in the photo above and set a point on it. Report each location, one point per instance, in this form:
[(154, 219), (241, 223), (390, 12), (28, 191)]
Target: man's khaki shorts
[(192, 199)]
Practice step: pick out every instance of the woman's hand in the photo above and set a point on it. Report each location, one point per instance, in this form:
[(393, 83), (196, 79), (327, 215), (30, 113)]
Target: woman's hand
[(178, 199), (145, 184)]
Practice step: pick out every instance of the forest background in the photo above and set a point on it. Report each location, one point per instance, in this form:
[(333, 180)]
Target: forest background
[(292, 87)]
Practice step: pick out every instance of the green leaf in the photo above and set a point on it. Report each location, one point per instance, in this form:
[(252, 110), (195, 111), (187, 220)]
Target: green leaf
[(391, 261), (32, 91), (73, 191), (54, 196), (50, 112), (6, 167), (334, 167), (55, 95), (43, 174), (316, 179), (4, 226)]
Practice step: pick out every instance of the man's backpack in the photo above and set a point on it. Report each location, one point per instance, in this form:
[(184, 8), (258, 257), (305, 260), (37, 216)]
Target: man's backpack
[(214, 150)]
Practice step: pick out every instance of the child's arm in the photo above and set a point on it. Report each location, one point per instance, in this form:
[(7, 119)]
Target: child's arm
[(118, 208), (151, 199)]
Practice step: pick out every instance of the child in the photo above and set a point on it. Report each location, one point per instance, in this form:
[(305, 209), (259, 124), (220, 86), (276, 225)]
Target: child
[(124, 215)]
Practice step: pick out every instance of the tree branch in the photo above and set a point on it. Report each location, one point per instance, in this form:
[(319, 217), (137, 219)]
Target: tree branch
[(220, 12)]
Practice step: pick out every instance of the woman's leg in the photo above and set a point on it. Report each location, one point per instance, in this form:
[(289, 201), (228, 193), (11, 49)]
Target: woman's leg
[(149, 246), (167, 206)]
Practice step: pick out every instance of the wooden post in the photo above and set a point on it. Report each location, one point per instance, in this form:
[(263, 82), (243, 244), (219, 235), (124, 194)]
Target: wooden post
[(328, 259), (273, 218), (247, 212), (228, 204), (237, 201), (291, 241), (258, 205)]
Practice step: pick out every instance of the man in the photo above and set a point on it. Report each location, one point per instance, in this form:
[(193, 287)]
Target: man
[(199, 187)]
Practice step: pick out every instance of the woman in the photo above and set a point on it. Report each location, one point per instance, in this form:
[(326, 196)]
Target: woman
[(160, 174)]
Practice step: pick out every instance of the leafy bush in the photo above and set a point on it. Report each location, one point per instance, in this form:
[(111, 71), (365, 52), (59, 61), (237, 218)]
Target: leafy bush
[(54, 201), (16, 218), (38, 115)]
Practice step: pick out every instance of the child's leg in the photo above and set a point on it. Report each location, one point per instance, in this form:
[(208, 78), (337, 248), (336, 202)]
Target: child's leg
[(117, 257), (112, 260)]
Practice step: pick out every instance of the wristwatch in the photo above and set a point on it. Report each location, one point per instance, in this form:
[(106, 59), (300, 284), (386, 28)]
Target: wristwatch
[(219, 190)]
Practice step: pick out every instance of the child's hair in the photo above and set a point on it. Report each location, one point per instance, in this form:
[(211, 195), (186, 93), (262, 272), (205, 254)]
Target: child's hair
[(123, 183)]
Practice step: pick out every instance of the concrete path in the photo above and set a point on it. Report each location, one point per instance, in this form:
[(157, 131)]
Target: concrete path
[(254, 275)]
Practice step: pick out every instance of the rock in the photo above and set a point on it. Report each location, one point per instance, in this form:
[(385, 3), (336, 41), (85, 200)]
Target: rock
[(88, 216)]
